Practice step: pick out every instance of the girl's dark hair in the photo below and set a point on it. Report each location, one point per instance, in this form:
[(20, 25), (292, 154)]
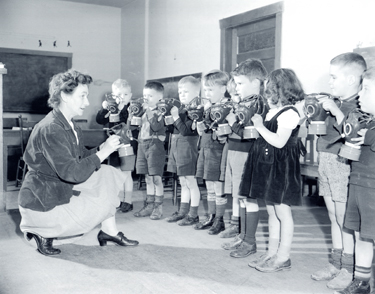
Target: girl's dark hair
[(65, 82), (283, 85)]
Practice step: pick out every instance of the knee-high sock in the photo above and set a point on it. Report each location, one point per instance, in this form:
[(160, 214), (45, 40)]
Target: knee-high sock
[(252, 219), (335, 258), (242, 222), (362, 273), (221, 204), (211, 201)]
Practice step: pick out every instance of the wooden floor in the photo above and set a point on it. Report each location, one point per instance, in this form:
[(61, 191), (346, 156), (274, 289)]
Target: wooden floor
[(169, 259)]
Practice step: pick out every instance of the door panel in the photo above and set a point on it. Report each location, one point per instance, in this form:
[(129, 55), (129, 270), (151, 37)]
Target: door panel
[(253, 34)]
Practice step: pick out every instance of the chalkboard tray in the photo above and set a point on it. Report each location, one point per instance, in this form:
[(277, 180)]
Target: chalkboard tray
[(25, 86)]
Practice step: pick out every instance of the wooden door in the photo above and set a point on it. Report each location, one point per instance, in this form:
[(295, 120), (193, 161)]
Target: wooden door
[(253, 34)]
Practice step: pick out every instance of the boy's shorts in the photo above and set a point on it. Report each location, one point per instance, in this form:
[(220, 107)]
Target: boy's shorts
[(151, 157), (360, 212), (208, 165), (233, 173), (183, 155), (333, 177)]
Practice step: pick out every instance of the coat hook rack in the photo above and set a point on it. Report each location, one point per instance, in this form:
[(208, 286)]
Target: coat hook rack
[(54, 44)]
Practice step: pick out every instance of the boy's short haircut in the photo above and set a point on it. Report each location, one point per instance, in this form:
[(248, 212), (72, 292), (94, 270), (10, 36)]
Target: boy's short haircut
[(353, 60), (215, 77), (369, 74), (231, 87), (158, 87), (252, 68), (190, 80), (120, 83)]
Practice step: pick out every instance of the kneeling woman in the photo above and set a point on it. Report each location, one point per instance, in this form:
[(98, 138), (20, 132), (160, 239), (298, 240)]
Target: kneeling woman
[(67, 192)]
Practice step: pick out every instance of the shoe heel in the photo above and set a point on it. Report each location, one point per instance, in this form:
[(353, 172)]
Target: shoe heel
[(102, 242), (29, 236)]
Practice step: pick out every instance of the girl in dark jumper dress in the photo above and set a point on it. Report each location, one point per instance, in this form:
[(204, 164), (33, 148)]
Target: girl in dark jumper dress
[(272, 171)]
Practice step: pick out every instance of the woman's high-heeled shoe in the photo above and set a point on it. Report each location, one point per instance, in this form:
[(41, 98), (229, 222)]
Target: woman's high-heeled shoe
[(44, 244), (120, 239)]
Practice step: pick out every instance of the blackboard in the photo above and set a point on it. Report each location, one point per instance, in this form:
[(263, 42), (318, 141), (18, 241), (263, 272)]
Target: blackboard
[(25, 86)]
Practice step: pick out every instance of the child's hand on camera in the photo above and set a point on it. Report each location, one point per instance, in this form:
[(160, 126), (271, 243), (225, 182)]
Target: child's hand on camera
[(174, 113), (105, 104), (257, 120), (330, 105), (222, 139), (231, 118), (360, 140)]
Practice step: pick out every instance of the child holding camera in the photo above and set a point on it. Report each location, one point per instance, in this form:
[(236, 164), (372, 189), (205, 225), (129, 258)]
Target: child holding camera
[(114, 113), (183, 154), (151, 152), (345, 82)]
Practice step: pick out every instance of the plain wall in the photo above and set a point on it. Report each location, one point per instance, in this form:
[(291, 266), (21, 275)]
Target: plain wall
[(94, 33), (184, 36), (133, 45), (163, 38)]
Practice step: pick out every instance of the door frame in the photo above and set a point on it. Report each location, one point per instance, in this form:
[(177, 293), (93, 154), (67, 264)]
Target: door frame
[(228, 40)]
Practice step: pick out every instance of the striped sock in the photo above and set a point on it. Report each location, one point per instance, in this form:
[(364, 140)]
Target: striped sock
[(211, 202), (362, 273), (221, 204), (235, 220)]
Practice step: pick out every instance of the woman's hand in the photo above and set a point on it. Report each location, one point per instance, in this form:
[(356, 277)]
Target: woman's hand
[(257, 120), (108, 147)]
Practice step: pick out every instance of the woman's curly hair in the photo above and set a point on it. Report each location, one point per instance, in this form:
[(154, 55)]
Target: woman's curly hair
[(283, 85), (65, 82)]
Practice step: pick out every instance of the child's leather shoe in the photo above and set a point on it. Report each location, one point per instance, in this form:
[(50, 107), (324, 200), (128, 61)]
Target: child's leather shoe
[(341, 281), (325, 274), (273, 265), (188, 221), (356, 287), (259, 259), (243, 250), (176, 216), (230, 232), (218, 226), (232, 245), (205, 224)]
